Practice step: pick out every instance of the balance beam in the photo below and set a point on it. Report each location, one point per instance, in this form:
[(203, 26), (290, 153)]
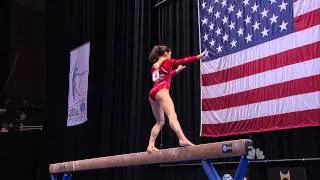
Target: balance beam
[(188, 153)]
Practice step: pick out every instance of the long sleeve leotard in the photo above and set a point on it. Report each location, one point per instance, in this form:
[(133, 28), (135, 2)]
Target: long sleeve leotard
[(162, 75)]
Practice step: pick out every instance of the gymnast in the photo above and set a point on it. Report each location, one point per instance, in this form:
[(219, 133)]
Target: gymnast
[(159, 97)]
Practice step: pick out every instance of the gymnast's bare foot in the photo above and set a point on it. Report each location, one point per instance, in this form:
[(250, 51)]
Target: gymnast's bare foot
[(152, 148), (185, 142)]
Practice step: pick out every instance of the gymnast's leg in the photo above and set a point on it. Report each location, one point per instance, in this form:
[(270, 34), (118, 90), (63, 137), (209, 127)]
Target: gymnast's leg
[(159, 115), (166, 103)]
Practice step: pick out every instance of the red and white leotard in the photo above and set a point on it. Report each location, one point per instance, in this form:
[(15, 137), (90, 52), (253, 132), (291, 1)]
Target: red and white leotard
[(161, 76)]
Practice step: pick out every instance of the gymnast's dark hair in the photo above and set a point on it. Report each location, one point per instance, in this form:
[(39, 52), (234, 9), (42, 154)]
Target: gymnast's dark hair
[(156, 52)]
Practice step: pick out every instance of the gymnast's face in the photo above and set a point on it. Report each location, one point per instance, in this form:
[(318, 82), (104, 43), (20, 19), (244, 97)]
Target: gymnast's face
[(167, 55)]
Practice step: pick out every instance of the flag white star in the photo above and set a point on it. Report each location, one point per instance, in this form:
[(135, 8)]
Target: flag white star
[(205, 37), (283, 6), (233, 43), (203, 4), (264, 13), (273, 19), (217, 14), (219, 48), (240, 31), (283, 26), (231, 8), (211, 26), (210, 10), (225, 37), (247, 20), (239, 14), (216, 1), (218, 31), (273, 1), (225, 19), (204, 20), (232, 25), (265, 32), (246, 2), (207, 53), (224, 3), (249, 38), (255, 7), (256, 26), (212, 42)]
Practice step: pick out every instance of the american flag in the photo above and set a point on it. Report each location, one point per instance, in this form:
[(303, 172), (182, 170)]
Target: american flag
[(262, 69)]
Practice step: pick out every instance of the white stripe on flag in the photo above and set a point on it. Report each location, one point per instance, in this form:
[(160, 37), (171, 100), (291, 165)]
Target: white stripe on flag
[(304, 6), (267, 108), (275, 46), (287, 73)]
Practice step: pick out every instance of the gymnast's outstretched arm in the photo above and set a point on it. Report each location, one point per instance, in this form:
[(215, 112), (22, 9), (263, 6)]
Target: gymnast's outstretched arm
[(188, 59)]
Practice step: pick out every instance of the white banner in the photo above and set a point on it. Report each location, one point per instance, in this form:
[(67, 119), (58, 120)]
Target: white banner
[(78, 85)]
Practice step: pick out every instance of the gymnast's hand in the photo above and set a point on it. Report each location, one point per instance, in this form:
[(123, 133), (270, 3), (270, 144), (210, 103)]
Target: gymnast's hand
[(180, 68), (202, 54)]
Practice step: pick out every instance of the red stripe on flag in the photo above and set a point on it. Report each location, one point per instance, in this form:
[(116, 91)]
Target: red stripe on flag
[(291, 56), (277, 122), (276, 91), (307, 20)]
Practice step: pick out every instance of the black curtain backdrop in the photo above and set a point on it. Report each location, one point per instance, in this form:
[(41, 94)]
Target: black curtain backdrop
[(122, 33), (26, 55), (4, 40)]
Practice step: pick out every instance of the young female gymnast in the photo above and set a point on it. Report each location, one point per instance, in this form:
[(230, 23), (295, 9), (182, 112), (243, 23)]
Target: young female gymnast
[(159, 97)]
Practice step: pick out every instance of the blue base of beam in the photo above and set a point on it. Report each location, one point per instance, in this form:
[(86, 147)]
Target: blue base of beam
[(210, 170), (213, 174), (53, 177), (67, 176), (242, 168)]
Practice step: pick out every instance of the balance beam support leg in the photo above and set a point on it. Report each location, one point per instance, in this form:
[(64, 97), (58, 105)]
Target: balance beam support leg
[(67, 176), (210, 170), (53, 177), (242, 168)]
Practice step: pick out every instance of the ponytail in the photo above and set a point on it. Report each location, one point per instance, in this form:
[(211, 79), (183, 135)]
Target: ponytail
[(156, 52)]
